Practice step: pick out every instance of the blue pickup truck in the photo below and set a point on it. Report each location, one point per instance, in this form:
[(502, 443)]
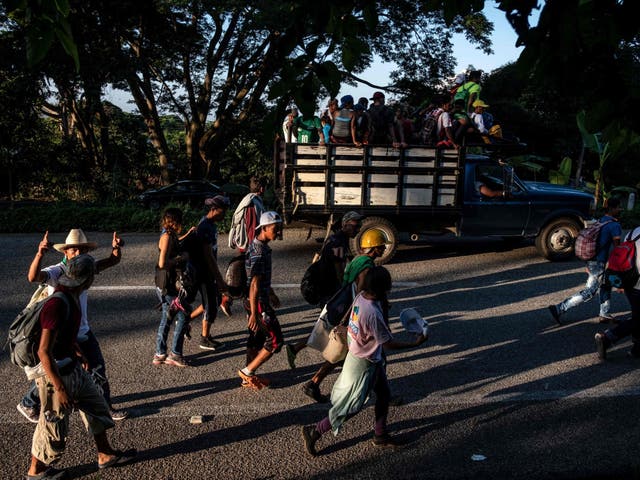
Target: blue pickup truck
[(417, 191)]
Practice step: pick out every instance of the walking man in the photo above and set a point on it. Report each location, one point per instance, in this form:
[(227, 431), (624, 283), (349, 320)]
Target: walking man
[(609, 236), (241, 234), (265, 334), (66, 385), (203, 254)]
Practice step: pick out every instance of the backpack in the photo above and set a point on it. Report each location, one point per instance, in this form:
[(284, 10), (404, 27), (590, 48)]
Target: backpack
[(622, 271), (429, 131), (25, 331), (587, 241), (318, 282), (238, 236)]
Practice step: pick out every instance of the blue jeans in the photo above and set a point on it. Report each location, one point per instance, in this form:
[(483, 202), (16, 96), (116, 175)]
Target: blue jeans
[(90, 348), (165, 325), (595, 283)]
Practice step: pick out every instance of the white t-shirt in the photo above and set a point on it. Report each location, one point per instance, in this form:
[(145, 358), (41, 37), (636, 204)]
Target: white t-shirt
[(444, 121), (54, 272), (479, 121)]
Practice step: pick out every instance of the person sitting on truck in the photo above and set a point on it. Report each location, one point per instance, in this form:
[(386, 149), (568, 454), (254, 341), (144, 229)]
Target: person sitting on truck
[(382, 122), (444, 127), (343, 128), (464, 128)]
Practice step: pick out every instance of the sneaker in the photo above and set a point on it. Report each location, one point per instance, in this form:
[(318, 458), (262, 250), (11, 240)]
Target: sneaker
[(159, 359), (225, 305), (118, 415), (176, 360), (555, 313), (253, 381), (208, 343), (385, 440), (312, 390), (602, 344), (310, 436), (29, 413), (291, 356)]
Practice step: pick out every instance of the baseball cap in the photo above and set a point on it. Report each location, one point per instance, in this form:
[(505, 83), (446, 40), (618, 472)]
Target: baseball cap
[(269, 218), (219, 201), (480, 103), (377, 95), (346, 99), (350, 216)]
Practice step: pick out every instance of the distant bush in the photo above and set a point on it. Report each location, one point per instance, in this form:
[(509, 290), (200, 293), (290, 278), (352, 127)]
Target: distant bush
[(123, 217)]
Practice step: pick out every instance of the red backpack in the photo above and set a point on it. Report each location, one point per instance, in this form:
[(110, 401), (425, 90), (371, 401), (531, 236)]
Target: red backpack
[(622, 271)]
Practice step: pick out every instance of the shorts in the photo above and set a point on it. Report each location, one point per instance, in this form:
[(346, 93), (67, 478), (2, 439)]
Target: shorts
[(269, 334)]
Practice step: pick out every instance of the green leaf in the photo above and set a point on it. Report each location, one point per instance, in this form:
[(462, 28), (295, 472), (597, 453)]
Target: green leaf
[(63, 32), (63, 7)]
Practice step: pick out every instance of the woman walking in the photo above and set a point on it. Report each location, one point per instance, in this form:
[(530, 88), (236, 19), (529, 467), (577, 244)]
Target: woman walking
[(364, 368), (169, 259)]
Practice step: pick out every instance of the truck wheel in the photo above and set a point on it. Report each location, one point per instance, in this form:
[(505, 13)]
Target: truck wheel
[(555, 241), (386, 228)]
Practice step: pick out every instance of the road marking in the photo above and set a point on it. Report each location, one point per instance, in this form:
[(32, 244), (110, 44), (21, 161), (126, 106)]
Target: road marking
[(114, 288), (211, 411)]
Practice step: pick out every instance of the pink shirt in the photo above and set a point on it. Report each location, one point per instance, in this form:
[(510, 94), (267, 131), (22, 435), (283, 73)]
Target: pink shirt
[(367, 329)]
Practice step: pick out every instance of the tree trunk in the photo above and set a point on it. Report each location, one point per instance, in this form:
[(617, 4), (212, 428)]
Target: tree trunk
[(145, 101)]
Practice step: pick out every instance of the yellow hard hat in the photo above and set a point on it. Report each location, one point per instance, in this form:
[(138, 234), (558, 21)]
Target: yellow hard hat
[(373, 238)]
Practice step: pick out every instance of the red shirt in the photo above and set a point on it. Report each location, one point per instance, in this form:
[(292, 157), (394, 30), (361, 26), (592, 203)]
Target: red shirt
[(54, 317)]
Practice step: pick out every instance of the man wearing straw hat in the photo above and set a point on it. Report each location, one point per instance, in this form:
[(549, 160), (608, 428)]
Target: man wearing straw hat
[(65, 385), (75, 244)]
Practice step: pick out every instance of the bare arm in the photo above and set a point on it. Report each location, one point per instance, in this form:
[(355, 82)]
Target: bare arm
[(112, 259), (213, 267), (45, 353), (398, 345), (35, 273), (253, 303)]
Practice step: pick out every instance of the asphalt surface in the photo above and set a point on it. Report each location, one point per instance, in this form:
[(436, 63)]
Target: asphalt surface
[(499, 391)]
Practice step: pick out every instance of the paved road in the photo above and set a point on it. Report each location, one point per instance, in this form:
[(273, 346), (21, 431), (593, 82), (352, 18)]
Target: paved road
[(497, 379)]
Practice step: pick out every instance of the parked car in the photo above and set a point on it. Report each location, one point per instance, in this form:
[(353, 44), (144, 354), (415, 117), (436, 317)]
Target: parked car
[(192, 192)]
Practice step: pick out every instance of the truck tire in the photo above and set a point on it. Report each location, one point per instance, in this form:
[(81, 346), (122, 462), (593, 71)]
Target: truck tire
[(386, 228), (556, 239)]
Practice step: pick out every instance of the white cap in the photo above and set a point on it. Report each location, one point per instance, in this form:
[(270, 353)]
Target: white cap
[(269, 218)]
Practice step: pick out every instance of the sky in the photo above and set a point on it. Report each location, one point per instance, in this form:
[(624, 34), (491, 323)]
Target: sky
[(503, 45), (504, 48)]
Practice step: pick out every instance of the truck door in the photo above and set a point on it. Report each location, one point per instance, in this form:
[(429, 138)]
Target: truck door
[(491, 213)]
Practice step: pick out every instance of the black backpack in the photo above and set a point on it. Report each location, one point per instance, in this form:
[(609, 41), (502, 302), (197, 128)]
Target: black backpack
[(319, 281), (25, 332)]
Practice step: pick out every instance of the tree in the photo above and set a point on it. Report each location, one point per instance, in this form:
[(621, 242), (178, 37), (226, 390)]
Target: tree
[(222, 59)]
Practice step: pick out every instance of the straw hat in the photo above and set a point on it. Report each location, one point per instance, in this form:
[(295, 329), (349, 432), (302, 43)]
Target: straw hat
[(76, 238)]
